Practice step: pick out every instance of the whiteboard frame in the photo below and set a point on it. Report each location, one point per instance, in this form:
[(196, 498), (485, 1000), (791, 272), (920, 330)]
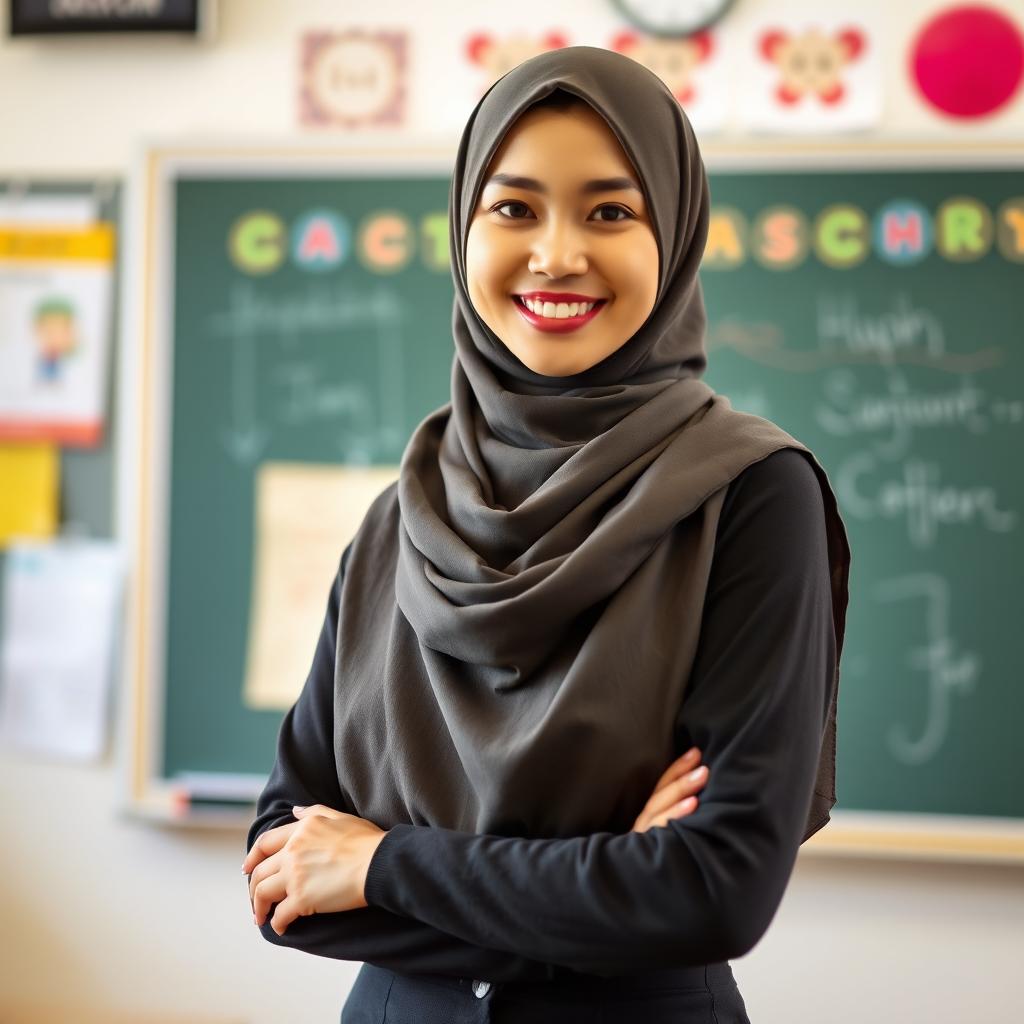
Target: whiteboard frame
[(144, 453)]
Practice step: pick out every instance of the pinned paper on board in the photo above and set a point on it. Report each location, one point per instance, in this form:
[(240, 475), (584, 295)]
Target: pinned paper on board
[(56, 285), (29, 490), (62, 607), (305, 516)]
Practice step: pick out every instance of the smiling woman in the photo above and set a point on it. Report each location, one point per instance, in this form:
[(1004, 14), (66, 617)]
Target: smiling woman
[(589, 564), (561, 256)]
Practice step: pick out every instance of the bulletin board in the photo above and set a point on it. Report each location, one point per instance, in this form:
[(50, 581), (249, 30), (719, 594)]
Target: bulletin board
[(86, 484), (900, 368)]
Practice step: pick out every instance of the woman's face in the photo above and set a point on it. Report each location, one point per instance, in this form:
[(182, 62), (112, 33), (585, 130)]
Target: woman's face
[(559, 234)]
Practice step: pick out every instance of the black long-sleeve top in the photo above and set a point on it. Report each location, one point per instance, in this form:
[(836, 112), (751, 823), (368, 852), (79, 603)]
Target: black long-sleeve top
[(701, 889)]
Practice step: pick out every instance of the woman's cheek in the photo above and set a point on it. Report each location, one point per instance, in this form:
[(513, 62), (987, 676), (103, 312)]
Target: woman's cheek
[(479, 268)]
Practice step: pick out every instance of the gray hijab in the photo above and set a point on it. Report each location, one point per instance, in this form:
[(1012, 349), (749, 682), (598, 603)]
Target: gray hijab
[(482, 681)]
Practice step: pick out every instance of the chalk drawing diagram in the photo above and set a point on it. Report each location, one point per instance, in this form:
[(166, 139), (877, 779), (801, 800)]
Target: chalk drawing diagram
[(245, 438), (947, 673), (367, 430)]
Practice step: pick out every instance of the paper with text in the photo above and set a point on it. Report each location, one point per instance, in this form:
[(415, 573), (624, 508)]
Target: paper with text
[(61, 625), (305, 516)]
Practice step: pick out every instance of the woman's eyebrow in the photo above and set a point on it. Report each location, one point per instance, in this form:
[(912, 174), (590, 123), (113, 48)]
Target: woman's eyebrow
[(533, 185)]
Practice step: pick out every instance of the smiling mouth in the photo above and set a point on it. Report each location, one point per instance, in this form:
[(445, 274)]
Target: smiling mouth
[(545, 316), (557, 310)]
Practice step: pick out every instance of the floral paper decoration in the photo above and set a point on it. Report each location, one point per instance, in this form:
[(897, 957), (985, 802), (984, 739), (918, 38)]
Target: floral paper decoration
[(816, 75)]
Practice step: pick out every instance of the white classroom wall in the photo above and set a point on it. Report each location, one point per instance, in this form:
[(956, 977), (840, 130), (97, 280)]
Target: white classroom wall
[(101, 911)]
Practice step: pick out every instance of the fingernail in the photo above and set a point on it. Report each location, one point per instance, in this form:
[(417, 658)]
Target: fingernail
[(697, 772)]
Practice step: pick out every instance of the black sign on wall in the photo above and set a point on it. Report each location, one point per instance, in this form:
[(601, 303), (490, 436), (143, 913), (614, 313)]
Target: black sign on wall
[(47, 17)]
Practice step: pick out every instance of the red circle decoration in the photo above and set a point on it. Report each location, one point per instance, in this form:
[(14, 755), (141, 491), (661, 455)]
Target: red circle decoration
[(968, 60)]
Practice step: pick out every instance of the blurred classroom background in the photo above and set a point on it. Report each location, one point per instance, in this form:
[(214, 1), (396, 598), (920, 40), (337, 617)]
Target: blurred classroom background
[(218, 245)]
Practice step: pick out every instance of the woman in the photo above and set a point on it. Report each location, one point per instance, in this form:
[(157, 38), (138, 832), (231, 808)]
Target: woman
[(589, 564)]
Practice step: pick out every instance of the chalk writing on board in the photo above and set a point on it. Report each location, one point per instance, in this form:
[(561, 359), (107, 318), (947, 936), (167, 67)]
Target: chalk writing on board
[(1009, 410), (316, 307), (844, 327), (757, 341), (244, 438), (947, 672), (393, 400), (916, 494), (846, 336), (306, 395), (851, 409), (320, 312)]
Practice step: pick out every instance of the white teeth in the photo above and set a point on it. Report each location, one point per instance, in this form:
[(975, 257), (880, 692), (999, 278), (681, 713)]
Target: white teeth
[(558, 311)]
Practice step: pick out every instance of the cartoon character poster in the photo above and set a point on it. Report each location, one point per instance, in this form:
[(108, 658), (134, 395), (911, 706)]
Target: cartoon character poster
[(811, 75), (695, 68), (55, 299)]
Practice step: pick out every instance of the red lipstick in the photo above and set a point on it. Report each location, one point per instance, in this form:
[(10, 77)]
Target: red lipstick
[(559, 297), (552, 325)]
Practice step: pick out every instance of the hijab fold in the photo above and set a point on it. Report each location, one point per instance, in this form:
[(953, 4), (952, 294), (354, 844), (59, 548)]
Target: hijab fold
[(521, 609)]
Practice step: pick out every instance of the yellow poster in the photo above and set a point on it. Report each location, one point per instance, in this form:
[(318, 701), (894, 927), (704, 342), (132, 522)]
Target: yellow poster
[(55, 322), (29, 488)]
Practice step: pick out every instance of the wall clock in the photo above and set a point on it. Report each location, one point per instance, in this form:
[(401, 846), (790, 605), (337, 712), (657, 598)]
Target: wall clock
[(672, 18)]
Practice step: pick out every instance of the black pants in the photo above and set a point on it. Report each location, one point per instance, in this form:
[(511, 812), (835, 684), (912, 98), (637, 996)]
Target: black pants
[(688, 995)]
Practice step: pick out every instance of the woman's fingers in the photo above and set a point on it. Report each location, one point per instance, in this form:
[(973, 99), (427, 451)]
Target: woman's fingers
[(675, 797), (680, 810), (677, 810), (267, 844), (681, 764), (675, 792), (287, 911), (268, 891), (690, 783), (264, 869)]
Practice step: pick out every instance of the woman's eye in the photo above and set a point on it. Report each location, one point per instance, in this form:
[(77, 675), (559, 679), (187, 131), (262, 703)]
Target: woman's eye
[(510, 202), (616, 209), (626, 215)]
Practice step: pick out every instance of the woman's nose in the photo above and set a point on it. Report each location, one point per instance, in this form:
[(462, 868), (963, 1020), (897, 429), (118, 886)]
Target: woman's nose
[(558, 252)]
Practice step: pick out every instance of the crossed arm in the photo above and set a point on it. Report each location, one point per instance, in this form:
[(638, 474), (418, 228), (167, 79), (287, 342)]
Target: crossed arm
[(303, 774), (701, 889)]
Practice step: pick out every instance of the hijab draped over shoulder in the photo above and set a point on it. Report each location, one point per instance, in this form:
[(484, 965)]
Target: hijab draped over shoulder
[(520, 612)]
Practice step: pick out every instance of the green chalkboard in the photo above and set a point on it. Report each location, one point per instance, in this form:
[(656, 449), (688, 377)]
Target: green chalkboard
[(893, 348), (309, 361), (872, 309)]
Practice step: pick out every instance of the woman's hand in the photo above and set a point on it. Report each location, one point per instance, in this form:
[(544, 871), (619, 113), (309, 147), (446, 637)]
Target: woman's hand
[(315, 865), (673, 795)]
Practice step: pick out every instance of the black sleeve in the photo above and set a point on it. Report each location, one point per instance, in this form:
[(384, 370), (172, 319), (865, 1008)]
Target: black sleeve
[(304, 773), (705, 887)]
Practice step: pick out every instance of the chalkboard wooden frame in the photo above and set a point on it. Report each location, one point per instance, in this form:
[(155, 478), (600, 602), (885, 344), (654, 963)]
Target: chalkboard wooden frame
[(144, 439)]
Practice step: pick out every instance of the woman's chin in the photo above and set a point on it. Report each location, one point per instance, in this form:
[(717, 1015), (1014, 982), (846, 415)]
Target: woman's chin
[(550, 367), (554, 363)]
